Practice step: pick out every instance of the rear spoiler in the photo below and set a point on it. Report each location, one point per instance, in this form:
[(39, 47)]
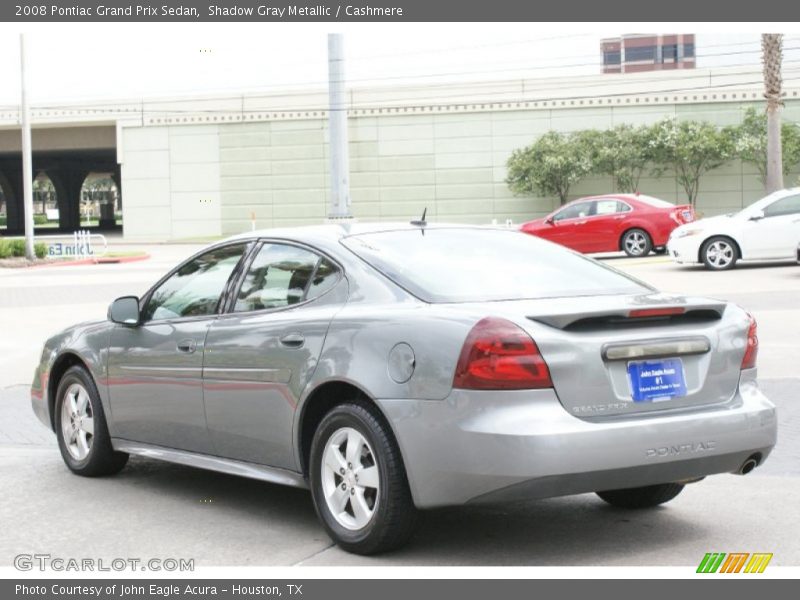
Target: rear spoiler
[(633, 316)]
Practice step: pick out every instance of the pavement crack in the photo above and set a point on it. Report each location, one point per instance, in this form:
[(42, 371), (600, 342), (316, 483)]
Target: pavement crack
[(317, 553)]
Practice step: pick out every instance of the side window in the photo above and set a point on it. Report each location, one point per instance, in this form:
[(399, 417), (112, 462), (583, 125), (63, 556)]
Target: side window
[(574, 211), (278, 276), (325, 277), (785, 206), (195, 288), (608, 207)]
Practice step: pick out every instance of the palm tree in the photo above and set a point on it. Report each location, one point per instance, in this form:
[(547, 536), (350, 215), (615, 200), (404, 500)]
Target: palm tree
[(772, 57)]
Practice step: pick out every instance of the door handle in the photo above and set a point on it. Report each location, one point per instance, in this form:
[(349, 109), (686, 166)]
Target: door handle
[(187, 346), (293, 340), (581, 223)]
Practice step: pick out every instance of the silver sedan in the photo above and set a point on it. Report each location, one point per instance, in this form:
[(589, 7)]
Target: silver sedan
[(391, 368)]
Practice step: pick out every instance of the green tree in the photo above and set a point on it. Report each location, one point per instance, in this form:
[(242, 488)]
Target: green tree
[(550, 166), (750, 142), (623, 153), (690, 149)]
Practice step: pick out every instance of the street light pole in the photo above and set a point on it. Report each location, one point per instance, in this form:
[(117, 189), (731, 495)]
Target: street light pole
[(337, 124), (27, 160)]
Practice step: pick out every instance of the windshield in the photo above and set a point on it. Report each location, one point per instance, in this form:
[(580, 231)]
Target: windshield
[(765, 202), (472, 265)]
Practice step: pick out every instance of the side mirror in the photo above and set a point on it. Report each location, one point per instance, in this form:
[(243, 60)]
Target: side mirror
[(125, 311), (757, 216), (549, 220)]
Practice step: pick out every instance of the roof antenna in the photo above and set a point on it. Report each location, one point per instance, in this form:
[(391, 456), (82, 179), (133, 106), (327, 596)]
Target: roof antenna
[(421, 222)]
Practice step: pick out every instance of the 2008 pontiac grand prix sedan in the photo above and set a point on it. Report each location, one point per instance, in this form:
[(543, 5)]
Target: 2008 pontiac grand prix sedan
[(390, 368)]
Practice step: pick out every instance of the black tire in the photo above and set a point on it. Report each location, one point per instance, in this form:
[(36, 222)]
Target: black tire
[(642, 497), (101, 458), (636, 242), (714, 250), (394, 518)]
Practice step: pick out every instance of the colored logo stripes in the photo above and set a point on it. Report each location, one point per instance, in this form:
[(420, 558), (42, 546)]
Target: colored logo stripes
[(734, 562)]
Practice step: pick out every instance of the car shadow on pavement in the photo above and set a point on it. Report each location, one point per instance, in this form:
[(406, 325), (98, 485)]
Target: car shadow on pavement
[(739, 266), (576, 530)]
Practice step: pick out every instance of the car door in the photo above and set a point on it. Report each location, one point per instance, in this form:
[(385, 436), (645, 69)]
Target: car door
[(260, 355), (605, 225), (777, 234), (155, 368), (567, 227)]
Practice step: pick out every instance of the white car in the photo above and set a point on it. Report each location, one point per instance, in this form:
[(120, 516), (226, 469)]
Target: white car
[(766, 230)]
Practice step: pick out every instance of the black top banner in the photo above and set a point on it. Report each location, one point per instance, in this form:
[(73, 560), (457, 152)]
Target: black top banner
[(396, 10)]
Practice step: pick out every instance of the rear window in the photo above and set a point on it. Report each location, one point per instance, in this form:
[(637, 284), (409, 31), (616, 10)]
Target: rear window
[(655, 202), (476, 265)]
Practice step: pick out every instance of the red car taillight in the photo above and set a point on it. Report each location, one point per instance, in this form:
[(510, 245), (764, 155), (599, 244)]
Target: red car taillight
[(499, 355), (751, 352), (683, 214)]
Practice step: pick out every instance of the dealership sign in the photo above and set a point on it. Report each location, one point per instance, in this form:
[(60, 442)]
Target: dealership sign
[(81, 244)]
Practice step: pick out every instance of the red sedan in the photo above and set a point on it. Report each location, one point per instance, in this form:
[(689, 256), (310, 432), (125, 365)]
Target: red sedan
[(633, 223)]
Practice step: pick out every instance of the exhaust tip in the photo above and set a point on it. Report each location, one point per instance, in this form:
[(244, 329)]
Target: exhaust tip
[(748, 465)]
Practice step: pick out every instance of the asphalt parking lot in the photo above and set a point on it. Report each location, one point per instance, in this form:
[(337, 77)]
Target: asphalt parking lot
[(159, 510)]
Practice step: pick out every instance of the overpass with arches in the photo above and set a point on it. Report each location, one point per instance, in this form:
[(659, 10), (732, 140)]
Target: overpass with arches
[(66, 161)]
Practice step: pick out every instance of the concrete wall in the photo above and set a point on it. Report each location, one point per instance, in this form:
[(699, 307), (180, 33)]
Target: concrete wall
[(184, 181), (61, 138), (171, 182)]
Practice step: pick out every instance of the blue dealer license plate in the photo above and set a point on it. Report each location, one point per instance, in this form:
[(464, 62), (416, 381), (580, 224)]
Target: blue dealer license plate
[(654, 380)]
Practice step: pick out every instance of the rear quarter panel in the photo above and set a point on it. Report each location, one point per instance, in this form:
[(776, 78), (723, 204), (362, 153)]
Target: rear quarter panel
[(360, 341)]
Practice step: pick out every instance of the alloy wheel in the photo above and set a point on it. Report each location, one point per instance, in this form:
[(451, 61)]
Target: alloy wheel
[(720, 254), (350, 478), (77, 421), (635, 243)]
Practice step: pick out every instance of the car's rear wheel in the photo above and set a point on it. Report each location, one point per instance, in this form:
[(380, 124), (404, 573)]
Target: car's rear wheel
[(636, 242), (358, 481), (719, 253), (81, 428), (642, 497)]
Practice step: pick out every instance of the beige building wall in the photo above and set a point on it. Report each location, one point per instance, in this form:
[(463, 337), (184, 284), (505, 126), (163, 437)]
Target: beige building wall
[(207, 180)]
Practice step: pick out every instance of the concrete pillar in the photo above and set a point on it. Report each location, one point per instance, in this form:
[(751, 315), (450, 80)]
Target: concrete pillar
[(15, 224)]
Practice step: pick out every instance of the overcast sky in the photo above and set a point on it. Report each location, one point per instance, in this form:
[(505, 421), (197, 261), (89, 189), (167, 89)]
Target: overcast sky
[(77, 62)]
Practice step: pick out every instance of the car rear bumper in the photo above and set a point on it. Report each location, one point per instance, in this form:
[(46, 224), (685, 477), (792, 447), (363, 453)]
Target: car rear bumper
[(512, 445)]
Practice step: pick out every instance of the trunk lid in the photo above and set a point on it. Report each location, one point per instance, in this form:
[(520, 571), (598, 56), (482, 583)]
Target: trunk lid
[(599, 349)]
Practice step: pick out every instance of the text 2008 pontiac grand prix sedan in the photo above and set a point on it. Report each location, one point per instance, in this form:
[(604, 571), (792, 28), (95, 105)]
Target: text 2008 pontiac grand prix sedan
[(391, 368)]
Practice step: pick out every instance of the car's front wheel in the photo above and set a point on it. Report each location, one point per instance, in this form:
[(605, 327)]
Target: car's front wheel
[(719, 253), (642, 497), (81, 429), (636, 242), (358, 481)]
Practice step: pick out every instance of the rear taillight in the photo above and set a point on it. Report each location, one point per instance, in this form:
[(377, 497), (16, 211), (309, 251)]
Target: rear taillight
[(499, 355), (683, 214), (751, 351)]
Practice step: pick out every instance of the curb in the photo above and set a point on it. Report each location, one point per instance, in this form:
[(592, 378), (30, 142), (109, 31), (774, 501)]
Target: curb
[(100, 260)]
